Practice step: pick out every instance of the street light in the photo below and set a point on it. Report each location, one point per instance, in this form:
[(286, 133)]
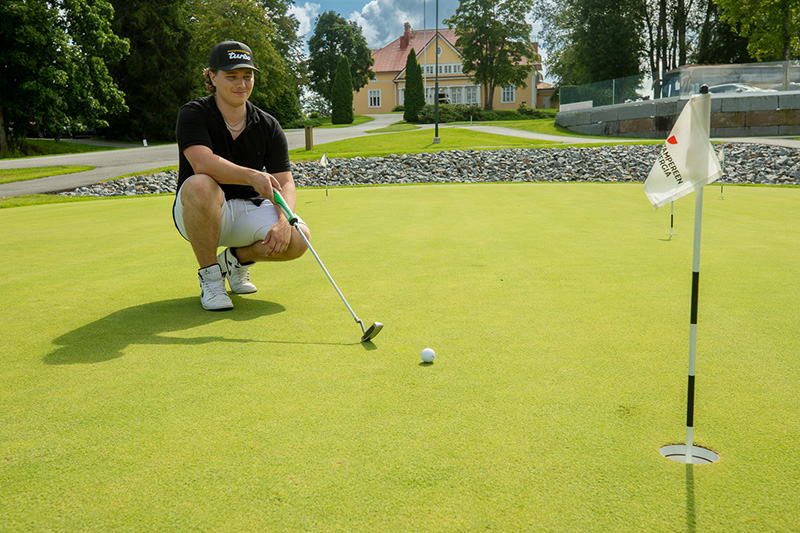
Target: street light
[(436, 139)]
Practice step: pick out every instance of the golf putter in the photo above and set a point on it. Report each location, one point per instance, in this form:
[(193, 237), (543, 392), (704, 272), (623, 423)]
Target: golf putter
[(368, 333)]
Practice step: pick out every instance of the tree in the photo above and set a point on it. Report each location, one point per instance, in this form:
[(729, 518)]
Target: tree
[(333, 38), (213, 21), (771, 27), (717, 42), (156, 77), (603, 22), (414, 98), (53, 73), (581, 33), (342, 94), (493, 38)]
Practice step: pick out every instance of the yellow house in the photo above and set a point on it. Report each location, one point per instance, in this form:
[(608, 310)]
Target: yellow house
[(386, 89)]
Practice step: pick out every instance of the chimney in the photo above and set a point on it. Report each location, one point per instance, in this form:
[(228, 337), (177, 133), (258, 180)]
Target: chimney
[(406, 38)]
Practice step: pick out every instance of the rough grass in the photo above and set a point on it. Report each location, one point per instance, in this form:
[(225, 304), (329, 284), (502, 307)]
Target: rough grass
[(559, 313), (412, 142), (22, 174)]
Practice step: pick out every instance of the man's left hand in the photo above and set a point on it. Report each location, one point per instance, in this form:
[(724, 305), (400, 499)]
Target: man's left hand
[(278, 238)]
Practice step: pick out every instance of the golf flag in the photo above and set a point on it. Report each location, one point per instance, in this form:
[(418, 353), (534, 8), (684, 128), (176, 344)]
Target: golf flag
[(688, 161)]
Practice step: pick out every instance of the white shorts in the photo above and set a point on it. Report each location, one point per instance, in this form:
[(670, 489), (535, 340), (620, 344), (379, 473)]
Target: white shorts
[(243, 223)]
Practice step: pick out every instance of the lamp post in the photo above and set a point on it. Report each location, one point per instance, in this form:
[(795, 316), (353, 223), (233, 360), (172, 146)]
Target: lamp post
[(436, 86)]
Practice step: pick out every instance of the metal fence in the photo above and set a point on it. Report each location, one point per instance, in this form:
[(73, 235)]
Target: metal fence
[(754, 78)]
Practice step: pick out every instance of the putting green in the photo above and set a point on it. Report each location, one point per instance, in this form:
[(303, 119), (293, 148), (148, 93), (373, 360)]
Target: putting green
[(559, 315)]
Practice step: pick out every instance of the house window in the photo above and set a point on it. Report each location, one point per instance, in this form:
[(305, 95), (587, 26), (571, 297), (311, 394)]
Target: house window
[(455, 95), (471, 95), (507, 94), (402, 96), (374, 96), (430, 95)]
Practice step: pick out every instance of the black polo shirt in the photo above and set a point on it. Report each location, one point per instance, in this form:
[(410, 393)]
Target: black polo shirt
[(262, 144)]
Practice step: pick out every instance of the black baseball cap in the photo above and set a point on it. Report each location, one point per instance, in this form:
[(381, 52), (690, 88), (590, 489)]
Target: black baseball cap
[(229, 55)]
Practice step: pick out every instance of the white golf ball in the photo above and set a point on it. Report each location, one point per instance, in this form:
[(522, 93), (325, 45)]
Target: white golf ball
[(428, 355)]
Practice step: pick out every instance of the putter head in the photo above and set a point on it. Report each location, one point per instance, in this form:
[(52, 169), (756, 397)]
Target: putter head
[(372, 332)]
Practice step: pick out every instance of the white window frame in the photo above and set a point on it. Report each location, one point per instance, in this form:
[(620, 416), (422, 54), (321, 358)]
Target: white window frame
[(373, 98), (472, 95), (508, 94)]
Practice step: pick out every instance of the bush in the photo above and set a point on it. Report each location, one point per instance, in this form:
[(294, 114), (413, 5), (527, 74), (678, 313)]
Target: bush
[(475, 113), (286, 107), (398, 108)]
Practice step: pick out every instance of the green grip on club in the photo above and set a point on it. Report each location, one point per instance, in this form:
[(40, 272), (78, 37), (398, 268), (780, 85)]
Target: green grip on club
[(285, 208)]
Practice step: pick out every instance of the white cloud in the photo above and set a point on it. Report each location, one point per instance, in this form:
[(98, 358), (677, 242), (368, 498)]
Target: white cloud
[(382, 21), (305, 15)]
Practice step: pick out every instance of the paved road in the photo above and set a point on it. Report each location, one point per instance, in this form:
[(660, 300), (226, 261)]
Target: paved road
[(113, 163), (110, 164)]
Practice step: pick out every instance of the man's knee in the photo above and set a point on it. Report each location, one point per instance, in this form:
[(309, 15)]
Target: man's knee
[(297, 246), (201, 189)]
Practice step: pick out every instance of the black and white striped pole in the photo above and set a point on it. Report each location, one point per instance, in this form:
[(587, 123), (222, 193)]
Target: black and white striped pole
[(671, 219), (689, 453)]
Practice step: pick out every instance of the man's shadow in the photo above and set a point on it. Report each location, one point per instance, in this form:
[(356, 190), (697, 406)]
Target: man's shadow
[(108, 337)]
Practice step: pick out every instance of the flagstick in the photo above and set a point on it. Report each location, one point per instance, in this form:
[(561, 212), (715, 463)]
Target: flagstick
[(671, 219), (323, 162), (698, 223)]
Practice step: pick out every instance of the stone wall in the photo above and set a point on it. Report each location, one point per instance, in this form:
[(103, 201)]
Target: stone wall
[(732, 115)]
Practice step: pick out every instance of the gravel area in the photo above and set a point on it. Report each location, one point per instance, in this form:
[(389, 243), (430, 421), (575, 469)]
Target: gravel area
[(744, 163)]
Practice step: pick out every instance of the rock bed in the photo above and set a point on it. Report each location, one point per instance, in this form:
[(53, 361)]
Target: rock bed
[(744, 163)]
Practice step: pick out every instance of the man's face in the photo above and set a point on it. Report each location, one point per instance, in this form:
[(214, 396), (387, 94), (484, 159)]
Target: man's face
[(234, 86)]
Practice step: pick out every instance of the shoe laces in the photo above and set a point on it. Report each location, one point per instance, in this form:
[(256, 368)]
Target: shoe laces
[(214, 288)]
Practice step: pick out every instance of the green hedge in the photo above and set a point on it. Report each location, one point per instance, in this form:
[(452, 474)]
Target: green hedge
[(465, 113)]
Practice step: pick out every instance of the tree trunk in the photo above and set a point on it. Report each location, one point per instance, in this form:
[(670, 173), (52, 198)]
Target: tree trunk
[(787, 38), (681, 23), (661, 38), (705, 33), (3, 135)]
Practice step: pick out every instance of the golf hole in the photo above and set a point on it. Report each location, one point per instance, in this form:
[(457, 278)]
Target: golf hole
[(700, 456)]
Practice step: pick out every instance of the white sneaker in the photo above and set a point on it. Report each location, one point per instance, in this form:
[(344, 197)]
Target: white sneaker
[(212, 289), (238, 274)]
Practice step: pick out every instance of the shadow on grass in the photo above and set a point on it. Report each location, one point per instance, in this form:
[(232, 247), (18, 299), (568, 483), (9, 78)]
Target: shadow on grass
[(691, 510), (106, 339)]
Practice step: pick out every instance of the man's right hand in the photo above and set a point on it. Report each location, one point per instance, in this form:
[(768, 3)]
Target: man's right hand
[(264, 183)]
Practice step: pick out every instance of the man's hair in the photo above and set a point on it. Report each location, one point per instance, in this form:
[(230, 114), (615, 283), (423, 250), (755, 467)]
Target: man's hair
[(210, 88)]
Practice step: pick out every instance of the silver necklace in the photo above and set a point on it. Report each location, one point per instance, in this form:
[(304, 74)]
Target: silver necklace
[(233, 128)]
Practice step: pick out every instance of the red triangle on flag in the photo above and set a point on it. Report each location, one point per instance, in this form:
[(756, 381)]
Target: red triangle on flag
[(672, 140)]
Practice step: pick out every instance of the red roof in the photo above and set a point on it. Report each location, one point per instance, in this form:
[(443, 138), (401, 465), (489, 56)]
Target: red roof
[(392, 57)]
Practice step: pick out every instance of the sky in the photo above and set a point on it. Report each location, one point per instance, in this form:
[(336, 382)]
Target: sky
[(381, 21)]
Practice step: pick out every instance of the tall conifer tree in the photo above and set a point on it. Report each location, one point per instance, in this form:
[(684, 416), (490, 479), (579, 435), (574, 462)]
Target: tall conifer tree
[(342, 94), (414, 94)]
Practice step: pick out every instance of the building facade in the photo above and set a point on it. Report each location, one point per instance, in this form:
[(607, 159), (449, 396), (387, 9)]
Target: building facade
[(386, 90)]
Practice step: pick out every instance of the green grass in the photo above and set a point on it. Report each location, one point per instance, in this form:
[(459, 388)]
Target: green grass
[(416, 141), (543, 125), (325, 122), (559, 313), (22, 174), (41, 147), (399, 126)]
